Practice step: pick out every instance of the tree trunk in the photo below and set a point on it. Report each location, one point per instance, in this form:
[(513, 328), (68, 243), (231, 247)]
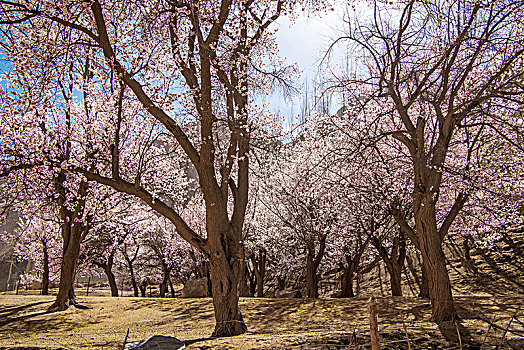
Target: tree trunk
[(394, 261), (281, 283), (110, 276), (224, 283), (312, 264), (171, 286), (73, 231), (434, 261), (243, 288), (395, 275), (424, 287), (45, 274), (347, 283), (467, 254), (71, 250), (131, 272), (422, 282), (133, 281), (143, 288), (252, 282), (259, 267), (164, 283)]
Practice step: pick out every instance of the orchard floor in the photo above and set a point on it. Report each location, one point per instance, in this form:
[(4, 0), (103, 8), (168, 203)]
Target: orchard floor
[(273, 323)]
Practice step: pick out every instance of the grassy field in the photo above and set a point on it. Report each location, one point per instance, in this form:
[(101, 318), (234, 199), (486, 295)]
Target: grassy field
[(272, 323)]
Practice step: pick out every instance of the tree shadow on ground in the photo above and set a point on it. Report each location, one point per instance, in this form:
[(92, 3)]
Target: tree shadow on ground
[(15, 309)]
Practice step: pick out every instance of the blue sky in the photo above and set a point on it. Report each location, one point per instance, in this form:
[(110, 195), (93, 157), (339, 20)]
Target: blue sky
[(305, 41)]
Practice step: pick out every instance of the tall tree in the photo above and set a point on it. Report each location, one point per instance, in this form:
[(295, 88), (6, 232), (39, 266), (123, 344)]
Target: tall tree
[(188, 67), (445, 76)]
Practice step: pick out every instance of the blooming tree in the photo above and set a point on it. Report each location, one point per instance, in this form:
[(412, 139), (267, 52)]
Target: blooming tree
[(443, 86)]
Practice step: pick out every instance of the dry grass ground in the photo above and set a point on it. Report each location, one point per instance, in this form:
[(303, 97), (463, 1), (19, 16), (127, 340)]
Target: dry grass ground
[(489, 293), (273, 323)]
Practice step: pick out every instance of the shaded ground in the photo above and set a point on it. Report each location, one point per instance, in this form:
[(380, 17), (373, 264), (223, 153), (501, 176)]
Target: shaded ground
[(273, 323)]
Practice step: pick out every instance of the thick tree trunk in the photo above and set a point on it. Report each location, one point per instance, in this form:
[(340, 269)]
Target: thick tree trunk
[(45, 273), (395, 275), (74, 228), (224, 282), (434, 262), (311, 278), (66, 294), (347, 283)]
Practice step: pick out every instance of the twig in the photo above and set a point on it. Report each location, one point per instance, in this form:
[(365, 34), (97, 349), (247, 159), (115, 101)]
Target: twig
[(458, 333), (506, 330), (125, 340), (489, 328), (406, 331)]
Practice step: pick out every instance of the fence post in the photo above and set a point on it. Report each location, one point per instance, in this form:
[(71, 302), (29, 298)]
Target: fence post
[(373, 324)]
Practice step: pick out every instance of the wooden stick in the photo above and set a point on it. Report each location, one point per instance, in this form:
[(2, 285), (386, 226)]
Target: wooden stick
[(373, 324), (489, 328), (125, 340)]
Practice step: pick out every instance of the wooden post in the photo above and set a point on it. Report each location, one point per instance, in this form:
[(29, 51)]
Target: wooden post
[(88, 283), (373, 323)]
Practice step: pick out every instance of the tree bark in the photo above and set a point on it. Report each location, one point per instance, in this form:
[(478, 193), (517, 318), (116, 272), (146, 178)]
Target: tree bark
[(347, 283), (45, 273), (165, 279), (312, 264), (243, 288), (434, 261), (133, 280), (259, 267), (143, 288), (108, 269), (424, 287), (71, 250), (131, 271), (394, 261), (224, 281), (467, 254), (73, 230), (171, 287)]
